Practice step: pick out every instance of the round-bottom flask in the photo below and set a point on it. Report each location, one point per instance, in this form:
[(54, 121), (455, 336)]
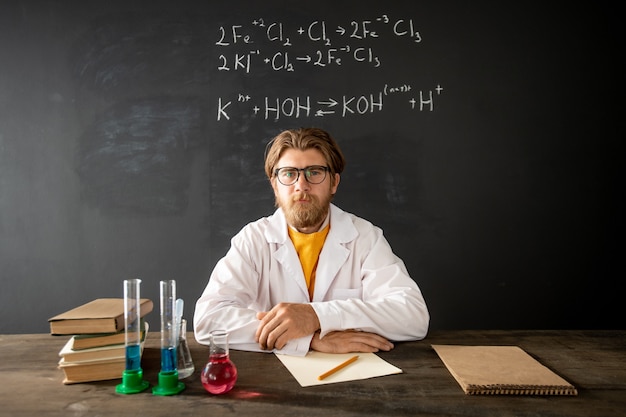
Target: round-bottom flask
[(220, 373)]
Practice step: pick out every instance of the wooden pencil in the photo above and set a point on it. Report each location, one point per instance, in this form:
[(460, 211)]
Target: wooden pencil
[(337, 368)]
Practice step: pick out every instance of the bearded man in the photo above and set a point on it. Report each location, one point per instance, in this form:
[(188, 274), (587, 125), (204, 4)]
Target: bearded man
[(310, 276)]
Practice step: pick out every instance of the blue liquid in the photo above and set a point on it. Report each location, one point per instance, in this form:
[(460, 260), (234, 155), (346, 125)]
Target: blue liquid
[(168, 359), (133, 357)]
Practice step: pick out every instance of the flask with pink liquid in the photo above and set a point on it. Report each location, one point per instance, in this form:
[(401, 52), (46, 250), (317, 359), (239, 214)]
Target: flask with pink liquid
[(220, 373)]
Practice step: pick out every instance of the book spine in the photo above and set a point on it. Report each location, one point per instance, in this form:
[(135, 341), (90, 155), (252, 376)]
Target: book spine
[(120, 323)]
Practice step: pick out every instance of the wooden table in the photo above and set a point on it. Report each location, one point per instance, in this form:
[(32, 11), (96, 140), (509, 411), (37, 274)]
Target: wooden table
[(593, 361)]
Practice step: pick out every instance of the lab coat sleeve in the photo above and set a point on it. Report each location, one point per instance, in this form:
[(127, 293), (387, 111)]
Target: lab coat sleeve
[(391, 304), (231, 300)]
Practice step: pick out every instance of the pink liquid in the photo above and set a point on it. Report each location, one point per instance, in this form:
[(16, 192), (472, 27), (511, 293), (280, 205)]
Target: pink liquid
[(219, 374)]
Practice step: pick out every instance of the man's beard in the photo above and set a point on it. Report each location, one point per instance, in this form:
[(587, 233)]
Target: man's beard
[(303, 215)]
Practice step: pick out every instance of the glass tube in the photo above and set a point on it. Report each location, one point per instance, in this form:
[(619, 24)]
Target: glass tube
[(132, 321), (185, 361), (169, 333), (168, 377)]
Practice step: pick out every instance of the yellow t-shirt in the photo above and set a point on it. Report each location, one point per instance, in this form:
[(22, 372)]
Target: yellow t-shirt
[(308, 246)]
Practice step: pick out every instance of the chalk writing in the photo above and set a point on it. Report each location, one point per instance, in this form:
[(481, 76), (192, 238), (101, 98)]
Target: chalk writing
[(272, 33), (275, 108), (319, 45)]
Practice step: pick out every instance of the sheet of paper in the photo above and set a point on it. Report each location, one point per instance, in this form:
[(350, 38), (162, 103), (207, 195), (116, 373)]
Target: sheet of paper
[(307, 368)]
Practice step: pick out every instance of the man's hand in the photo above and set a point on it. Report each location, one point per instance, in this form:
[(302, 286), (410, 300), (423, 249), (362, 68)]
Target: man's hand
[(350, 341), (284, 322)]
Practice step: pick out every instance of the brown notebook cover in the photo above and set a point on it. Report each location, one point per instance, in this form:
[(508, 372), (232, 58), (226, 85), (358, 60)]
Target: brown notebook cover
[(501, 370)]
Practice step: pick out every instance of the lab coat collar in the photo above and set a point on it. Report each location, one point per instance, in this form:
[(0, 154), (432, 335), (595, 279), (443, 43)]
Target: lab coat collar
[(341, 228), (334, 253)]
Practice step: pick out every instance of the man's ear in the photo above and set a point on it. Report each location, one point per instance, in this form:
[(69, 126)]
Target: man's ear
[(336, 183), (273, 184)]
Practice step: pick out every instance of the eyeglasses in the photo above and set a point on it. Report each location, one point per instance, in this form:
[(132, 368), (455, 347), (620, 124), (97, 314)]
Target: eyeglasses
[(315, 174)]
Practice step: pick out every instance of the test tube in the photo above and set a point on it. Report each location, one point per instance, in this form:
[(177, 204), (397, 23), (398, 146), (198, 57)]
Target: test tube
[(168, 377), (169, 335), (132, 377), (132, 320)]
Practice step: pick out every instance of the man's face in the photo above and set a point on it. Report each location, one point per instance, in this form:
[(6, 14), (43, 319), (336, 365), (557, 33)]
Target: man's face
[(305, 205)]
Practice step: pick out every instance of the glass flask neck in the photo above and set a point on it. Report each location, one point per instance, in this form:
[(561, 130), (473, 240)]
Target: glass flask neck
[(218, 343)]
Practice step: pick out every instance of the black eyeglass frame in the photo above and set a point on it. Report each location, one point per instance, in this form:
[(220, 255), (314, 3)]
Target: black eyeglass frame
[(299, 170)]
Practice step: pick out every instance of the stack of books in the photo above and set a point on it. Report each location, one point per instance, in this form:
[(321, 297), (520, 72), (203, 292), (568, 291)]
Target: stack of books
[(96, 350)]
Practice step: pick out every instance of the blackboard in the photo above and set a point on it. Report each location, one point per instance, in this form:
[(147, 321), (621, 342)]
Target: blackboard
[(485, 138)]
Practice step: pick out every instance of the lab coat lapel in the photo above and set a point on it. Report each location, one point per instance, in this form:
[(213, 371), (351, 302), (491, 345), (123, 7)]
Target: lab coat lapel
[(285, 253), (288, 258), (333, 256), (334, 253)]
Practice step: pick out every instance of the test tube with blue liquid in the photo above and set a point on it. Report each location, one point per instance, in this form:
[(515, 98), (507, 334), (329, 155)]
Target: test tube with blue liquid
[(132, 377), (168, 376)]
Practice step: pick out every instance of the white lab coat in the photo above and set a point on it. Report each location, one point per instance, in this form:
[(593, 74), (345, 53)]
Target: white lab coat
[(360, 284)]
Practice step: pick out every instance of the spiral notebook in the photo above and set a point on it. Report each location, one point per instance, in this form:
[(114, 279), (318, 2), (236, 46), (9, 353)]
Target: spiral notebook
[(492, 370)]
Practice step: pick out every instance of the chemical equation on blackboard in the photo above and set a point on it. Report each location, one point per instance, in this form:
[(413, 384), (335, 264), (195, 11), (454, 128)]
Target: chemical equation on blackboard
[(275, 108), (315, 48), (338, 43)]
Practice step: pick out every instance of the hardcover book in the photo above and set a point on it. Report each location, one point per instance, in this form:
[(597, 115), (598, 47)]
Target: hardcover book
[(98, 353), (95, 364), (88, 341), (92, 371), (102, 315)]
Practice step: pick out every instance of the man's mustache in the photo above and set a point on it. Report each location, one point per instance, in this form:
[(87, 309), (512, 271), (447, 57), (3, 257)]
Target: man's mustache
[(302, 197)]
